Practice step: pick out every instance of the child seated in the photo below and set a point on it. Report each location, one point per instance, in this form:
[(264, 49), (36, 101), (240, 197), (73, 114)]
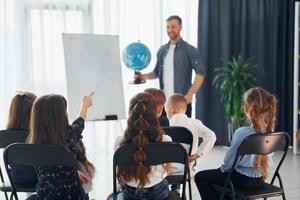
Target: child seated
[(142, 181), (18, 120), (176, 107), (49, 125), (160, 100), (249, 172)]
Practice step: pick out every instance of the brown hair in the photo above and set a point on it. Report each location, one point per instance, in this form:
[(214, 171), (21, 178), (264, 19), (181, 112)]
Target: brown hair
[(158, 95), (90, 168), (142, 127), (20, 110), (175, 17), (49, 120), (178, 101), (258, 101)]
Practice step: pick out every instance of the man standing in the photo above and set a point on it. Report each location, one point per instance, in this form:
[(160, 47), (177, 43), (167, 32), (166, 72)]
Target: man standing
[(175, 62)]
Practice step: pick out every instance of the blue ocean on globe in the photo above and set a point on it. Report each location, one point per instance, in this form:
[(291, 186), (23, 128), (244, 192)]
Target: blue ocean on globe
[(136, 56)]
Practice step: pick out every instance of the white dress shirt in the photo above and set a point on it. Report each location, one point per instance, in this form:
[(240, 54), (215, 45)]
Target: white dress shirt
[(198, 129)]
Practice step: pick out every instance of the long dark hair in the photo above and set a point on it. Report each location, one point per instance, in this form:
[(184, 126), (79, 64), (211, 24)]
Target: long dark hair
[(142, 127), (258, 101), (82, 158), (20, 110), (49, 120)]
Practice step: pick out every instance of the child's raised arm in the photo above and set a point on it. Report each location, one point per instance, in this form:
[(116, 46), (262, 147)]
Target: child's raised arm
[(87, 101)]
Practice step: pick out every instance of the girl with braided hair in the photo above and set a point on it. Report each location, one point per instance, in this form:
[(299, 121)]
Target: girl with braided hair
[(140, 181), (250, 172)]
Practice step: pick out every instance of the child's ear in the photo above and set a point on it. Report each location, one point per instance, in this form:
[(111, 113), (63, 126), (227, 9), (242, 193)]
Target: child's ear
[(171, 109)]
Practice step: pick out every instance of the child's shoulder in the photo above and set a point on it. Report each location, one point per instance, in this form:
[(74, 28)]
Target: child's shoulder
[(195, 121), (244, 131), (166, 138)]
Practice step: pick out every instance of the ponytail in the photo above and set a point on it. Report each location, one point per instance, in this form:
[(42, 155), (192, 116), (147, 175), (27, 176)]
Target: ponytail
[(142, 127), (140, 124), (258, 101)]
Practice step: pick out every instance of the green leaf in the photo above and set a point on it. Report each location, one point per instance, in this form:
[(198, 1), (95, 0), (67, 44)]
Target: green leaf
[(232, 80)]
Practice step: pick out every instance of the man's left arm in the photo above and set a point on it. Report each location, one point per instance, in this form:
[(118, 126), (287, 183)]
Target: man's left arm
[(197, 64)]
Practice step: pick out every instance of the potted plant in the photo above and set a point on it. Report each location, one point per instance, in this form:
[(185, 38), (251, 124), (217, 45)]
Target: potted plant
[(233, 79)]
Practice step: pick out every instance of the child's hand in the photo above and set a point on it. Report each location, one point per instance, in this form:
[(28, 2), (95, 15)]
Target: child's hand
[(193, 157), (83, 178), (168, 167), (87, 101)]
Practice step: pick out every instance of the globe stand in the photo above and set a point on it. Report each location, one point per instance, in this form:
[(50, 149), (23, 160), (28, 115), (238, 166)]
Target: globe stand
[(137, 80)]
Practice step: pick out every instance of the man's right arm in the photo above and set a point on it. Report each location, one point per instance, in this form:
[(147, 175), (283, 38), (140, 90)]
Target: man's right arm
[(148, 76), (153, 74)]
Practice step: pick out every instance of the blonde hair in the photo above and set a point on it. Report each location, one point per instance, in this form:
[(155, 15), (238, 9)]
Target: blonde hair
[(258, 101), (178, 102)]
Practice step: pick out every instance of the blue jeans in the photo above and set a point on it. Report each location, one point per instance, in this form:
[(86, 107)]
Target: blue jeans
[(159, 191)]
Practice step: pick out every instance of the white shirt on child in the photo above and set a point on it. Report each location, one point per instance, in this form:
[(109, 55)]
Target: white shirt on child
[(158, 172), (198, 129)]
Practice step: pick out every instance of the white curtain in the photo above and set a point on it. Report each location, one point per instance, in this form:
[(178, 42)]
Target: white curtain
[(31, 52)]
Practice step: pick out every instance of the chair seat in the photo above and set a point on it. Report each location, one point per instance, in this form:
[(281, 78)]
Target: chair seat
[(267, 190), (6, 187)]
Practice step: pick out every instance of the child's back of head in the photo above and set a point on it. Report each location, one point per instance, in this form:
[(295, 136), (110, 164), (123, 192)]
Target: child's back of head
[(158, 95), (49, 120), (176, 104), (143, 127), (20, 110), (159, 98)]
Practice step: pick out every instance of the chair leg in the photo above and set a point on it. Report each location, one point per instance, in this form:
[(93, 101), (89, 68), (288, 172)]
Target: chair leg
[(283, 196), (190, 189), (5, 194)]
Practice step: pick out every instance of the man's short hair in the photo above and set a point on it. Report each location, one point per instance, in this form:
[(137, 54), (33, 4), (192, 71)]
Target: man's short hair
[(158, 95), (178, 102), (175, 17)]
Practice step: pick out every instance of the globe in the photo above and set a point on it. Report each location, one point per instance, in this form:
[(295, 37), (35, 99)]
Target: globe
[(136, 56)]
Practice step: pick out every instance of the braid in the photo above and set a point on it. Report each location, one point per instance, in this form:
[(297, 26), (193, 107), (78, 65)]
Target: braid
[(142, 127), (272, 115), (260, 102)]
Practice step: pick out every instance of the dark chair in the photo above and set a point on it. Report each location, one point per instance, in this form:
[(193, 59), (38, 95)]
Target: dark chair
[(8, 137), (259, 144), (34, 155), (185, 136), (156, 153)]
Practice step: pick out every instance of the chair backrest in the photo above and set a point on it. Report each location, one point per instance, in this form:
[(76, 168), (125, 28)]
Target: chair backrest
[(37, 155), (180, 135), (8, 137), (156, 154), (262, 144)]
